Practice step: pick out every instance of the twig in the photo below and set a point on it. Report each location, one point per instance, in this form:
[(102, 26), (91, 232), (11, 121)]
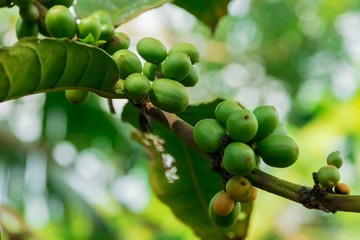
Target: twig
[(294, 192)]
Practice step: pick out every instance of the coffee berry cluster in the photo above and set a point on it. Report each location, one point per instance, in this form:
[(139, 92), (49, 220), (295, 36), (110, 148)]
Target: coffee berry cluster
[(170, 72), (242, 136), (95, 29), (329, 176)]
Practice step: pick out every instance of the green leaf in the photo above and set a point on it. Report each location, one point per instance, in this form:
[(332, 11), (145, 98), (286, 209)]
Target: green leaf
[(34, 66), (208, 11), (196, 112), (120, 10), (190, 194), (89, 39)]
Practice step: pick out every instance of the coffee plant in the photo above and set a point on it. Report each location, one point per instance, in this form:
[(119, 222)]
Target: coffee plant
[(75, 47)]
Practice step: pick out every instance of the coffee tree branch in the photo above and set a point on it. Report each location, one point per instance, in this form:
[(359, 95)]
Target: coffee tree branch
[(260, 179)]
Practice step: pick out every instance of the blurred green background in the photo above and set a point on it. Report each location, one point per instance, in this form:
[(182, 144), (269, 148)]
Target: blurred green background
[(64, 177)]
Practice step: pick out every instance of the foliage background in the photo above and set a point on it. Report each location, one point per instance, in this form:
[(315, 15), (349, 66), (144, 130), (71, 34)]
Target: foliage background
[(69, 179)]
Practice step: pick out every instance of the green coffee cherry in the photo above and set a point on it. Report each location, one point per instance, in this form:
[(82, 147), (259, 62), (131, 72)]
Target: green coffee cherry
[(223, 204), (118, 42), (224, 110), (152, 50), (103, 17), (336, 159), (26, 29), (176, 67), (137, 86), (268, 119), (66, 3), (120, 86), (89, 25), (242, 125), (29, 13), (328, 176), (60, 22), (107, 32), (127, 62), (280, 130), (224, 221), (187, 48), (278, 151), (239, 188), (23, 3), (5, 3), (149, 70), (76, 96), (239, 159), (207, 135), (192, 78), (169, 95)]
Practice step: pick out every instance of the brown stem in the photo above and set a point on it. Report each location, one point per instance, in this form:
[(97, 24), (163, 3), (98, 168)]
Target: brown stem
[(262, 180), (111, 106), (41, 20)]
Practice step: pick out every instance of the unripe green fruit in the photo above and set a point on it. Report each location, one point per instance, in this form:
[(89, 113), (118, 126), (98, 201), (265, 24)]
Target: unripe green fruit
[(120, 86), (192, 78), (149, 70), (103, 17), (187, 48), (137, 86), (239, 159), (224, 221), (252, 196), (223, 204), (280, 130), (66, 3), (239, 188), (268, 119), (89, 25), (278, 151), (127, 62), (242, 125), (342, 188), (152, 50), (336, 159), (60, 22), (328, 176), (224, 110), (26, 29), (29, 13), (76, 96), (107, 32), (176, 66), (23, 3), (118, 42), (5, 3), (169, 95), (207, 135)]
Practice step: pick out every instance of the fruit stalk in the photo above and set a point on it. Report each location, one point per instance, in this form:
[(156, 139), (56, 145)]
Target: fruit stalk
[(41, 20)]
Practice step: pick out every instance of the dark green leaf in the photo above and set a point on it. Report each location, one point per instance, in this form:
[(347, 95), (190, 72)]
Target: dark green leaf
[(208, 11), (189, 195), (196, 112), (120, 10), (33, 66)]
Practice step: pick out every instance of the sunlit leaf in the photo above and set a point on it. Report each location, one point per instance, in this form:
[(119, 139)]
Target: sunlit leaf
[(120, 10), (33, 66)]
